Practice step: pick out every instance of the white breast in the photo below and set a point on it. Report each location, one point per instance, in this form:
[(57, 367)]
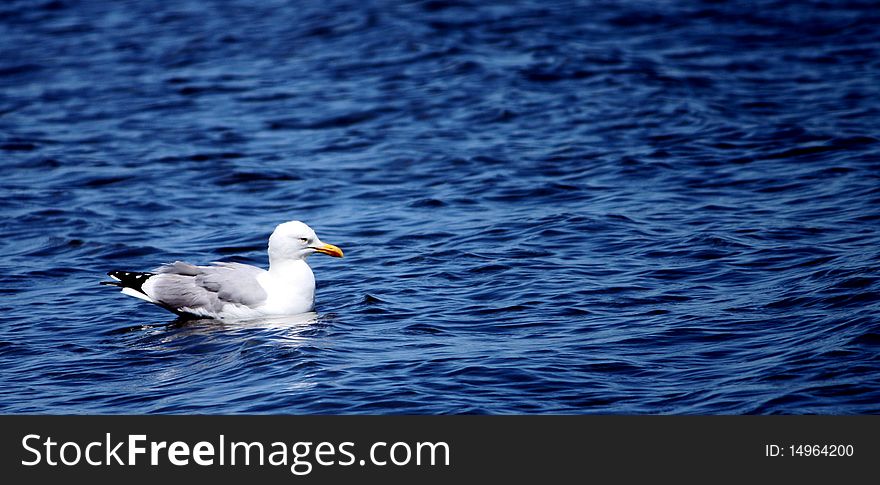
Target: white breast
[(290, 289)]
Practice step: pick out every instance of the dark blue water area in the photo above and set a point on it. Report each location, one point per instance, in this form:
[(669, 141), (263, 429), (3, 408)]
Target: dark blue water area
[(598, 207)]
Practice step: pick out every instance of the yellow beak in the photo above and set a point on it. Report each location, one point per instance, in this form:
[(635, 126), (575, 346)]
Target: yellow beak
[(330, 250)]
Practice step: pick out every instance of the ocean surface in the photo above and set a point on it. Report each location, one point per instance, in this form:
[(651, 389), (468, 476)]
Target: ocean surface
[(599, 207)]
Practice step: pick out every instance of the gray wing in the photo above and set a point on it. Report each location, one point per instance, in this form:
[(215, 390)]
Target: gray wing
[(204, 290)]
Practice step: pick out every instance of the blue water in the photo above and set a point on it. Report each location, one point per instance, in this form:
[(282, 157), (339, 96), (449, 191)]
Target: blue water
[(604, 207)]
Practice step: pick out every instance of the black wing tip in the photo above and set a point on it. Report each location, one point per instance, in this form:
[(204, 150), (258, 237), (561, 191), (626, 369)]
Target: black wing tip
[(128, 279), (116, 280)]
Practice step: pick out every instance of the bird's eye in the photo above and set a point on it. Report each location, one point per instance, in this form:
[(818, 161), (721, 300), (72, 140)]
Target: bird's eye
[(304, 239)]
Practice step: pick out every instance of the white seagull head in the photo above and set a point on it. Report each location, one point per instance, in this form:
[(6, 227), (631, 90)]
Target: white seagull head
[(295, 240)]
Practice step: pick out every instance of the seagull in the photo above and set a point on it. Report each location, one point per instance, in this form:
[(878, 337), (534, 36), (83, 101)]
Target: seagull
[(235, 291)]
